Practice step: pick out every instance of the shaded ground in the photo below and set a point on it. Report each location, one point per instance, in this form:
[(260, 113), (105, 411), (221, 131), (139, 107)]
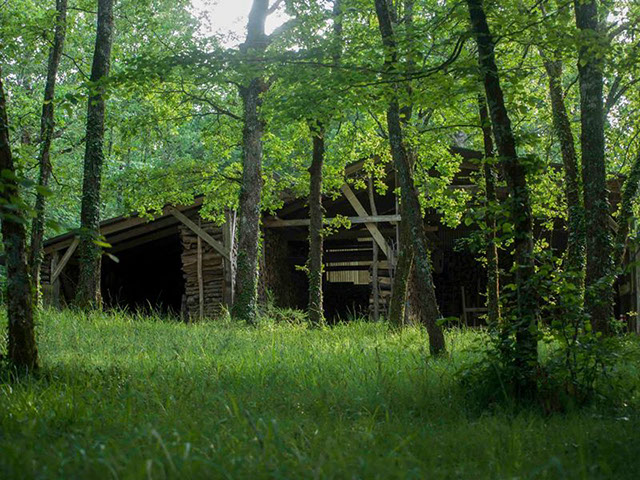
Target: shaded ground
[(132, 398)]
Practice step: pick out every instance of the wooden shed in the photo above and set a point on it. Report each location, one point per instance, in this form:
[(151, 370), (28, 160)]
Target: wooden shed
[(180, 263)]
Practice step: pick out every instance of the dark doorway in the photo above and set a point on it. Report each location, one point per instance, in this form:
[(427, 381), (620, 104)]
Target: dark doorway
[(145, 277)]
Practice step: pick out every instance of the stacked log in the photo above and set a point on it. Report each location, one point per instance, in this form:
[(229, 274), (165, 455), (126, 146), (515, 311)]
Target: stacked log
[(212, 271)]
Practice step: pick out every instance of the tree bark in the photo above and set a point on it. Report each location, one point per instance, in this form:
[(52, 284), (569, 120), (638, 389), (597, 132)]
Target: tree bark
[(89, 252), (525, 323), (404, 266), (625, 216), (575, 256), (23, 352), (493, 267), (47, 123), (428, 307), (246, 295), (316, 215), (599, 294)]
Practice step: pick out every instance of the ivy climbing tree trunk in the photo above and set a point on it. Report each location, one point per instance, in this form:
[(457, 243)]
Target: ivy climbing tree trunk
[(316, 211), (246, 295), (625, 215), (428, 307), (524, 325), (575, 254), (89, 252), (47, 124), (316, 216), (598, 289), (404, 265), (23, 352), (493, 266)]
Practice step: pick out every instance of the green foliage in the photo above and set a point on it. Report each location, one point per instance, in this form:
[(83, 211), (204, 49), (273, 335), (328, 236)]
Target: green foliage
[(131, 396)]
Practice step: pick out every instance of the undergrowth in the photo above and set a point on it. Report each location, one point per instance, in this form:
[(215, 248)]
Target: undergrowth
[(126, 396)]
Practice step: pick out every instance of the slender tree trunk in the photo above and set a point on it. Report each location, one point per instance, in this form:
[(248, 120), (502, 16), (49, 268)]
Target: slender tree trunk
[(428, 307), (89, 252), (599, 294), (47, 124), (493, 267), (575, 256), (625, 216), (246, 295), (316, 215), (23, 352), (316, 211), (375, 287), (404, 266), (525, 323)]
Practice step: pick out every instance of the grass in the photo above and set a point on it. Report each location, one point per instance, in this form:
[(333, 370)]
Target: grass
[(124, 397)]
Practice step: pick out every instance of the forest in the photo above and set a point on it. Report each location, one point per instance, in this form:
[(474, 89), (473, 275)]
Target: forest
[(319, 239)]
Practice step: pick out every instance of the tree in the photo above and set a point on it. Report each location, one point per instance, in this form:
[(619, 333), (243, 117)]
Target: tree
[(316, 211), (89, 250), (599, 294), (524, 325), (246, 296), (575, 255), (47, 124), (490, 180), (23, 352), (412, 210)]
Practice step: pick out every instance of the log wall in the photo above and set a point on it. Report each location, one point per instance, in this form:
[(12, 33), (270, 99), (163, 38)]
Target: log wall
[(203, 272)]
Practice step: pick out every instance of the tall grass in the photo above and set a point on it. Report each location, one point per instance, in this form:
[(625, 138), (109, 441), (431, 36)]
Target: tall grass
[(122, 396)]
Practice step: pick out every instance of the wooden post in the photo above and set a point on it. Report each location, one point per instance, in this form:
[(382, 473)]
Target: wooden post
[(65, 258), (200, 279), (228, 236), (372, 227), (55, 284), (374, 273)]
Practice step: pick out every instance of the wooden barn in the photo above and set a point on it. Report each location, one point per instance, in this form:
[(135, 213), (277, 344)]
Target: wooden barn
[(183, 264)]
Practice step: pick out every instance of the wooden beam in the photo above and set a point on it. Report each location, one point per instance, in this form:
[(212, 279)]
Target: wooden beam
[(304, 222), (64, 260), (141, 240), (200, 280), (372, 227), (200, 232)]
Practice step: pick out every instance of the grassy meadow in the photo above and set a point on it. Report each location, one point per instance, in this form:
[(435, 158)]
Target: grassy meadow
[(140, 397)]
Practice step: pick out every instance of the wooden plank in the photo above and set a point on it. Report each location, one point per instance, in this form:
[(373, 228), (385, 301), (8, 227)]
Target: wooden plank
[(304, 222), (55, 286), (64, 260), (372, 227), (374, 261), (200, 232), (200, 282), (151, 237)]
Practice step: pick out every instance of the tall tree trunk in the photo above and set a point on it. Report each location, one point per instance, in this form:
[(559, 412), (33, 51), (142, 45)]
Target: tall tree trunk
[(23, 352), (493, 267), (525, 324), (246, 295), (428, 307), (575, 256), (316, 214), (625, 216), (89, 252), (404, 266), (47, 124), (599, 294)]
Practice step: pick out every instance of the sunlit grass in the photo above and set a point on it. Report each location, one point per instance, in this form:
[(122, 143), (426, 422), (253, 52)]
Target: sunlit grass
[(125, 397)]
